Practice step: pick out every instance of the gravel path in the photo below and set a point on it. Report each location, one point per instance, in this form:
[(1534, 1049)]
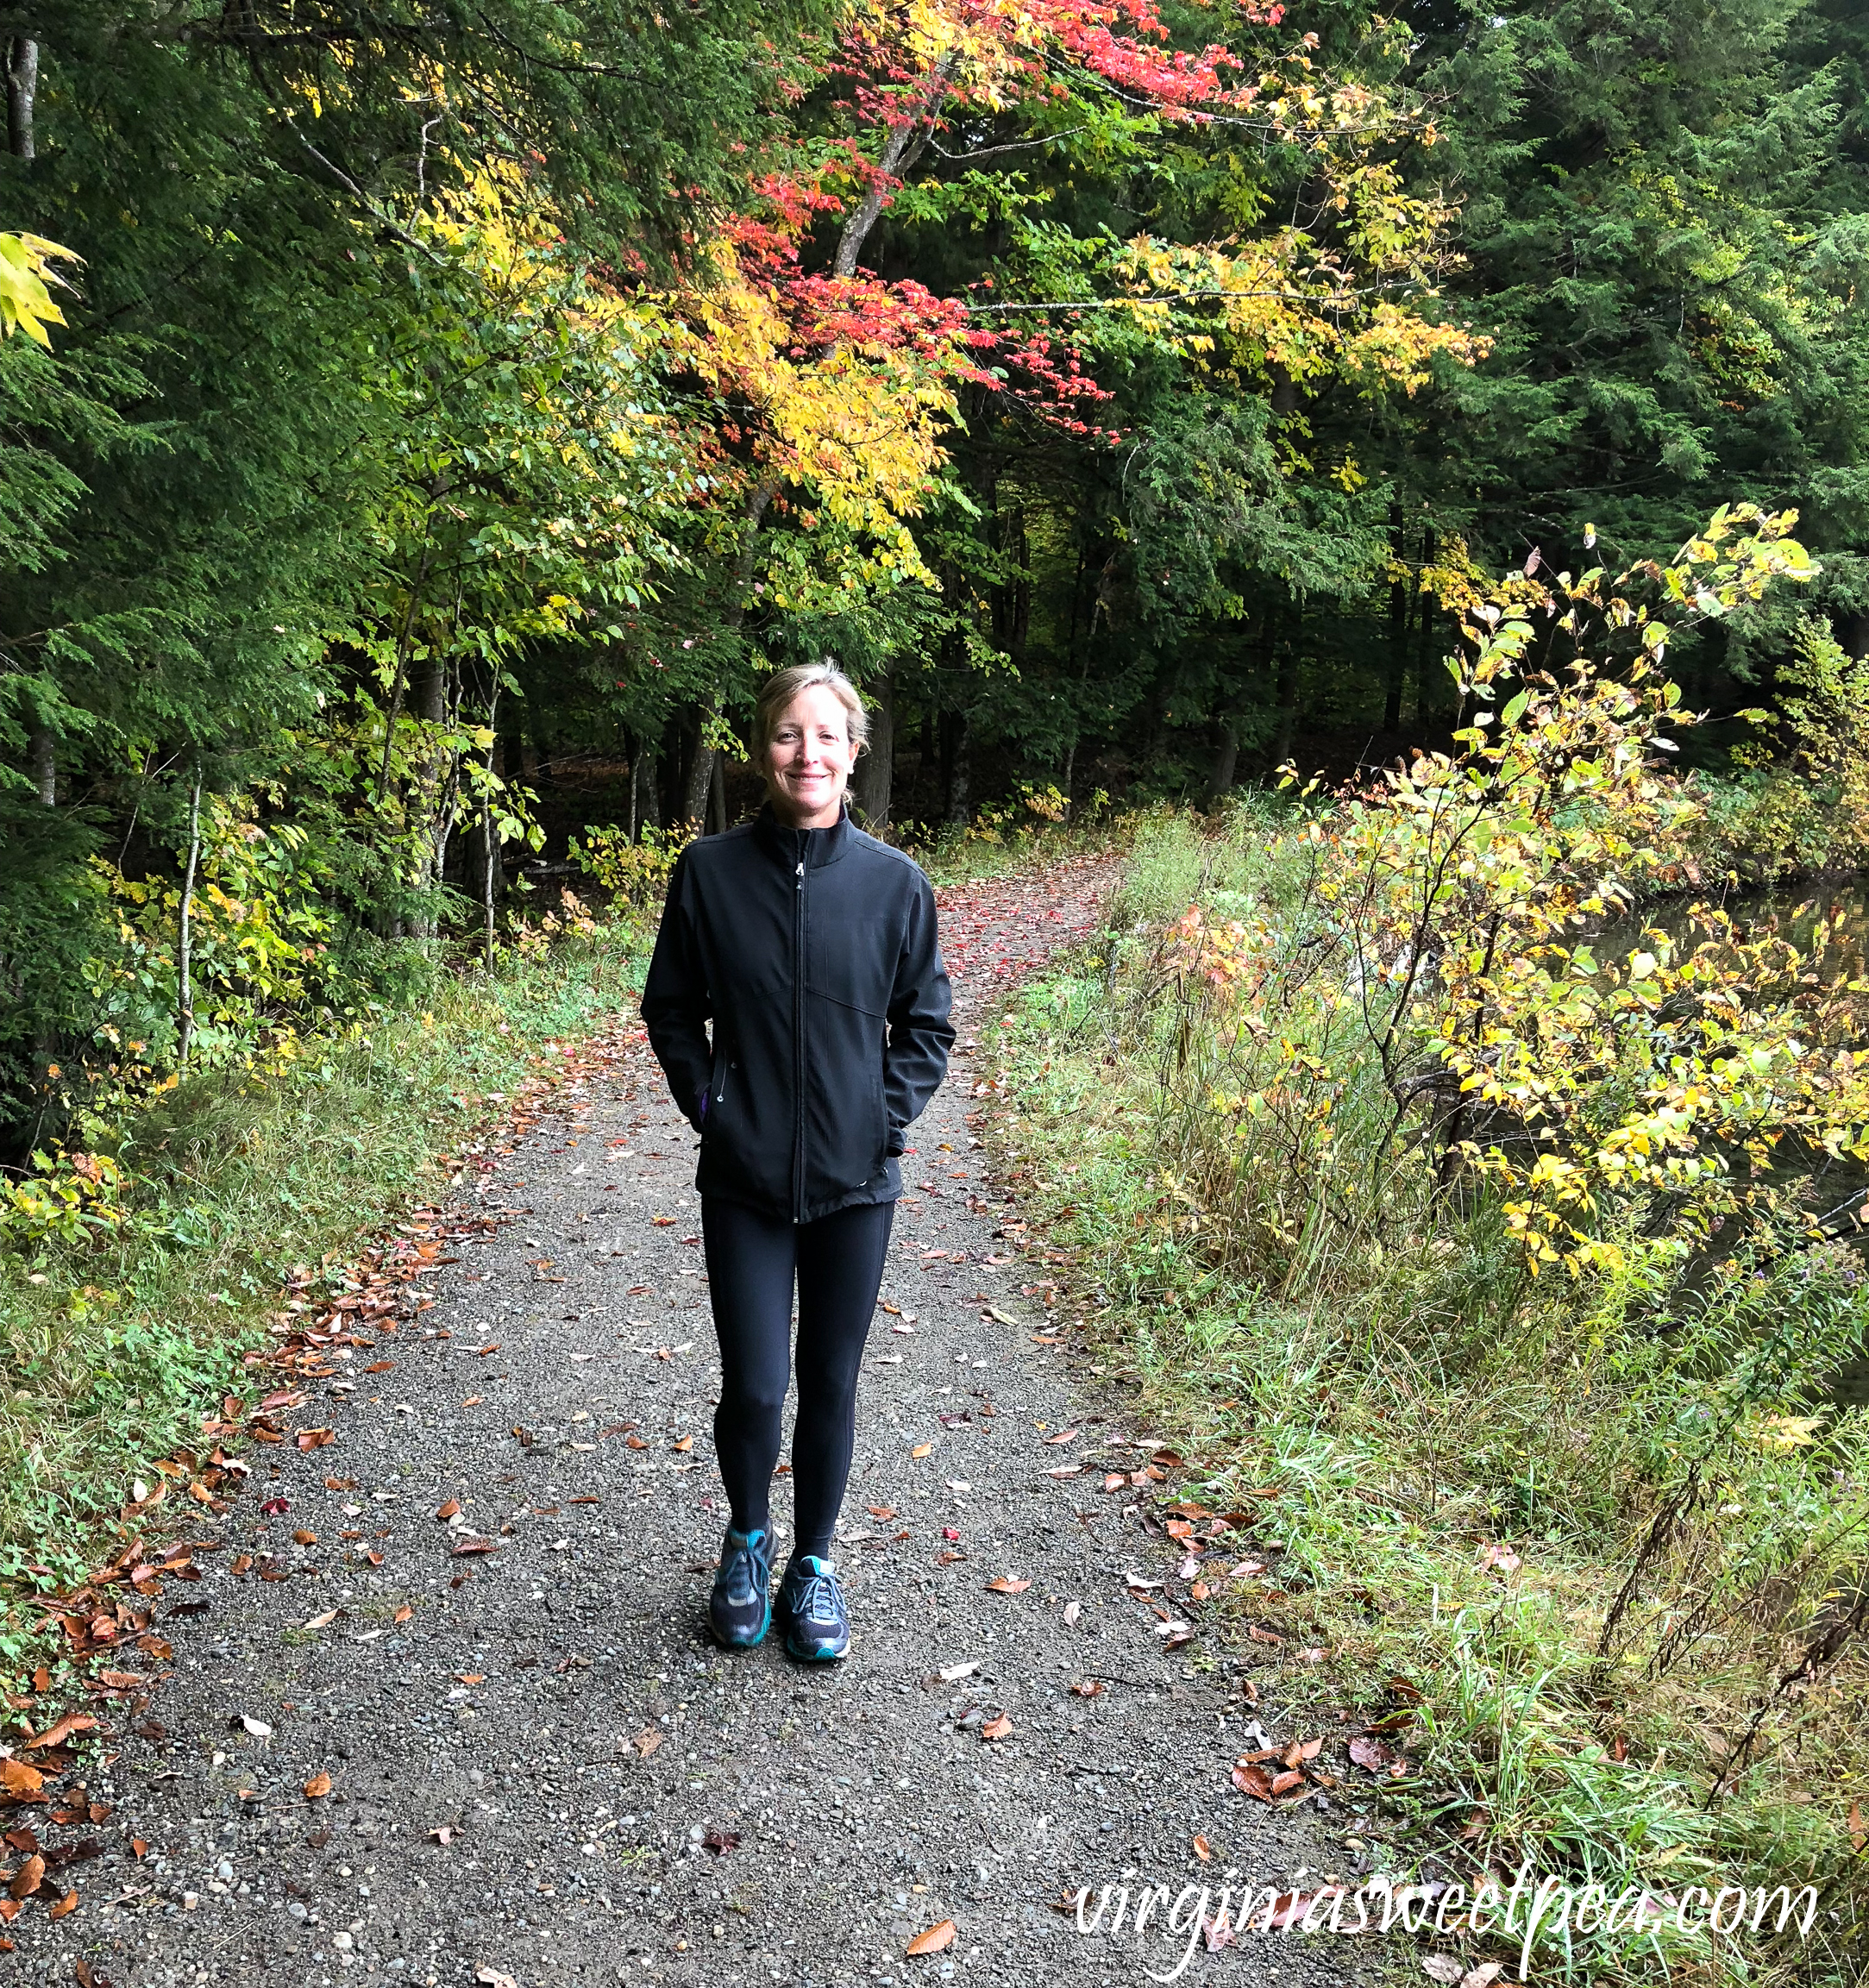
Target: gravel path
[(541, 1769)]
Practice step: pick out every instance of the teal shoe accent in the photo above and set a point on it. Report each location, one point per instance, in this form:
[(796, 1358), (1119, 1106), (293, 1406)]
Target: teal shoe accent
[(811, 1606), (739, 1611)]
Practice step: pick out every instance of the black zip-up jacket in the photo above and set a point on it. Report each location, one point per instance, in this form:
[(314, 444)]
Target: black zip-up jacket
[(813, 954)]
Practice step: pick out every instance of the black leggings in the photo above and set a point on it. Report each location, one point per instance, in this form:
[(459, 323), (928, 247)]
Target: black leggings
[(752, 1259)]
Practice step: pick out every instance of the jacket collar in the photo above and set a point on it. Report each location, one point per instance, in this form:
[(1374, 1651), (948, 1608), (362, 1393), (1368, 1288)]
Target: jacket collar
[(813, 847)]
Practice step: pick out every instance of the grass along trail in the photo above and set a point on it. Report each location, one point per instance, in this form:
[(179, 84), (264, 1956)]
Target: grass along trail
[(466, 1725)]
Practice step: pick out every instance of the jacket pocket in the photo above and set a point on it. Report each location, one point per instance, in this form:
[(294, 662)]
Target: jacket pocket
[(880, 1117), (846, 1121)]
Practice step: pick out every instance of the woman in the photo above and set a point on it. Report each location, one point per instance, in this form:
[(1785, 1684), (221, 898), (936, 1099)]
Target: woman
[(810, 948)]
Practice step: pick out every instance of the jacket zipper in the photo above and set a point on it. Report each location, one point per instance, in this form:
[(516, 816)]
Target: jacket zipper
[(797, 1049)]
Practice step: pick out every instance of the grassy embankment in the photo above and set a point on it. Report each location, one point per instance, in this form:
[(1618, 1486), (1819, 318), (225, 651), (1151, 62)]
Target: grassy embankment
[(1470, 1462)]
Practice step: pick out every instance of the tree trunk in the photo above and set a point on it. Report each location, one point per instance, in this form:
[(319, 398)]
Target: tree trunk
[(1288, 688), (541, 745), (668, 770), (900, 150), (492, 882), (45, 761), (435, 792), (642, 782), (876, 770), (1398, 631), (955, 768), (701, 768), (185, 995), (1424, 658), (22, 88), (717, 797), (1226, 763)]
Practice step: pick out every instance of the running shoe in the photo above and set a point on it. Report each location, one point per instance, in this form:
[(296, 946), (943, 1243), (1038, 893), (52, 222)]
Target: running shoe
[(810, 1606), (740, 1609)]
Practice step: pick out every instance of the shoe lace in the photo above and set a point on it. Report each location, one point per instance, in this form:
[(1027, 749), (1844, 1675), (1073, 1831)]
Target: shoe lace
[(819, 1597), (745, 1574)]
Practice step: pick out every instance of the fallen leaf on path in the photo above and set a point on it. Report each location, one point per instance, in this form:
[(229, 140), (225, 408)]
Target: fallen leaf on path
[(448, 1510), (474, 1402), (999, 1584), (720, 1842), (1087, 1688), (54, 1735), (402, 1613), (444, 1835), (491, 1977), (922, 1450), (1371, 1752), (646, 1741), (934, 1940), (314, 1438), (67, 1904), (318, 1786), (1442, 1967), (467, 1547), (379, 1366), (997, 1728), (1253, 1781), (17, 1778), (685, 1444), (258, 1728), (29, 1878), (322, 1621), (1203, 1849)]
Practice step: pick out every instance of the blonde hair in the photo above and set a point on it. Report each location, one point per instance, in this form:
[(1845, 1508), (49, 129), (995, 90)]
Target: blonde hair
[(783, 685)]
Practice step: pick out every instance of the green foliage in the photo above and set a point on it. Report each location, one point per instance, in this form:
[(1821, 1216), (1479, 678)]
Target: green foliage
[(634, 873)]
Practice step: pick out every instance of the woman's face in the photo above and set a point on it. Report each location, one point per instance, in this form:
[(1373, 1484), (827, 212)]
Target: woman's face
[(809, 760)]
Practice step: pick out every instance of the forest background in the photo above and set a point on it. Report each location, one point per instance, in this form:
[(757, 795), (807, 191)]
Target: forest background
[(424, 425)]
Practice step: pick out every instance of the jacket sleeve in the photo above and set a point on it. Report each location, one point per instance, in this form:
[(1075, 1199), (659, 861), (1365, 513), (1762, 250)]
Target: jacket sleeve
[(676, 1005), (916, 1057)]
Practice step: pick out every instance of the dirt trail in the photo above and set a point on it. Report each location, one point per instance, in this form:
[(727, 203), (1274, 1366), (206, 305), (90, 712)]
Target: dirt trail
[(541, 1769)]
